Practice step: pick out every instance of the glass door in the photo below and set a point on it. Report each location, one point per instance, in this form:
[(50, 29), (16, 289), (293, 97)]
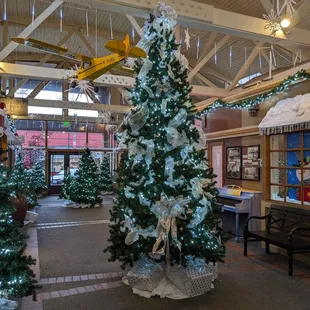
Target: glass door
[(57, 169), (58, 164)]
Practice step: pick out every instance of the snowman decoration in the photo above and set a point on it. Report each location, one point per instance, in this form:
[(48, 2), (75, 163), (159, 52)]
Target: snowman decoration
[(304, 174)]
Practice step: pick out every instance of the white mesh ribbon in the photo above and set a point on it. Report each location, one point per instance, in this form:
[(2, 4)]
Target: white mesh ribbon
[(167, 210)]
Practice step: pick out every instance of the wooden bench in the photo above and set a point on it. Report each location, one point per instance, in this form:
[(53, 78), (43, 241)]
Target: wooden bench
[(287, 228)]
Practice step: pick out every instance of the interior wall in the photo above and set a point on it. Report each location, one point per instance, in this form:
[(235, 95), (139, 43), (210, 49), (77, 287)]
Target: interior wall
[(223, 119)]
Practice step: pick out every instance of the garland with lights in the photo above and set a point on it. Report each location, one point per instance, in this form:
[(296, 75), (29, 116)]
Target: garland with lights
[(253, 101)]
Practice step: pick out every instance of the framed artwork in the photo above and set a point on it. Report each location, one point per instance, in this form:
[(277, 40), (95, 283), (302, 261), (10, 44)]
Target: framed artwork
[(251, 163), (233, 163)]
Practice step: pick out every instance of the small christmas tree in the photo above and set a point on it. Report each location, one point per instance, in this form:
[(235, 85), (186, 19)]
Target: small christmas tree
[(85, 187), (105, 180), (66, 187), (20, 182), (16, 277), (37, 177)]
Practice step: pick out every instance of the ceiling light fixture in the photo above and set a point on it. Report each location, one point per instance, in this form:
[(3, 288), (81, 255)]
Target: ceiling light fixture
[(285, 22)]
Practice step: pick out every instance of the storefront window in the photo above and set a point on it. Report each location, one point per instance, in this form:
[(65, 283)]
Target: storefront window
[(66, 135), (31, 133), (290, 167)]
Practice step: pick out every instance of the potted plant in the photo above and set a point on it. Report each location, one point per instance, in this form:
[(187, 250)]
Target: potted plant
[(20, 186)]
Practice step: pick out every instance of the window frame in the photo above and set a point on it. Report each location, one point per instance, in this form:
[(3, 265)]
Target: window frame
[(285, 168)]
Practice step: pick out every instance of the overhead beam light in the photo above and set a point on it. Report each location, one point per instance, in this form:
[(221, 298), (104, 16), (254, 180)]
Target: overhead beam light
[(285, 22)]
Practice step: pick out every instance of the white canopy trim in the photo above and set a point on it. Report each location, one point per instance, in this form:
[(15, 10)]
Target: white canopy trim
[(288, 115)]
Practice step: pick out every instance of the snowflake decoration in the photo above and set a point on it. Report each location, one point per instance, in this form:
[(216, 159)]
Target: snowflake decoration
[(187, 39), (85, 87), (104, 117), (129, 62), (272, 22), (288, 6)]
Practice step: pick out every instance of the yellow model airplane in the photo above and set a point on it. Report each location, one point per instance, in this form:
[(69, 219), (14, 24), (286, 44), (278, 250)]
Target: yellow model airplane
[(91, 68)]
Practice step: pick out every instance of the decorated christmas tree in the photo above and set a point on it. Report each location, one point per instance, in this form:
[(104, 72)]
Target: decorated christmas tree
[(37, 177), (166, 204), (105, 180), (66, 187), (16, 277), (20, 182), (85, 185)]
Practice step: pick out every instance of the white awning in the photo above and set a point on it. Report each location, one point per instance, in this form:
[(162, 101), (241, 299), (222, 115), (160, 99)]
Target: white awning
[(288, 115)]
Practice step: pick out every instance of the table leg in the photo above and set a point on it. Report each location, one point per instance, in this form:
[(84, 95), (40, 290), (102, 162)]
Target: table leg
[(237, 227)]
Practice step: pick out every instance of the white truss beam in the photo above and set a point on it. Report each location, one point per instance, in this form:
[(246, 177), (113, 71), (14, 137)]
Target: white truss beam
[(205, 59), (41, 86), (109, 80), (135, 24), (26, 32), (79, 105), (40, 63), (50, 24), (245, 67), (203, 16), (205, 80)]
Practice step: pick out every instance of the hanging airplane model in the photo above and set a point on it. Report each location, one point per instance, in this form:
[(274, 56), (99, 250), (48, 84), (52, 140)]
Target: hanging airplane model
[(90, 68)]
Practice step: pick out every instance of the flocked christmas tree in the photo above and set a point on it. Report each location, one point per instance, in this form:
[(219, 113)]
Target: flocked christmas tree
[(166, 203), (20, 182), (37, 178), (105, 180), (66, 187), (85, 186), (16, 277)]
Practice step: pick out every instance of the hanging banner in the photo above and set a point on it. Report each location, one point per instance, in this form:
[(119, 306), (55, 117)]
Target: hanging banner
[(16, 106)]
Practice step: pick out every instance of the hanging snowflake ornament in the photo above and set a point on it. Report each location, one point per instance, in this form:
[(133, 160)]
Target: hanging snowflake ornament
[(288, 7), (84, 86), (187, 39), (129, 62), (272, 22), (104, 117)]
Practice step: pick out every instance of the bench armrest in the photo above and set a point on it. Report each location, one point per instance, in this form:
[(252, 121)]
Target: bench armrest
[(255, 218), (297, 229)]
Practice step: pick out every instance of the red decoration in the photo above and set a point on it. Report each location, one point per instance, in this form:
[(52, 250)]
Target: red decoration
[(306, 195), (2, 105)]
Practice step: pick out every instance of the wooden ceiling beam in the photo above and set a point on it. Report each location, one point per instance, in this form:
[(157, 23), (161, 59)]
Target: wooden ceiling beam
[(249, 61), (198, 15), (31, 27), (39, 64), (206, 58)]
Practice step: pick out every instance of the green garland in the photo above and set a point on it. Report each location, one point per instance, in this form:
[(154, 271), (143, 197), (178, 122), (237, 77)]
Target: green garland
[(253, 101)]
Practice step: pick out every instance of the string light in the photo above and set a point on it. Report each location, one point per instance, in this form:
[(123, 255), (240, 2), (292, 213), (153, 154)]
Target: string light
[(60, 17), (133, 34), (230, 56), (215, 53), (111, 27), (4, 11), (198, 46), (33, 11), (87, 30)]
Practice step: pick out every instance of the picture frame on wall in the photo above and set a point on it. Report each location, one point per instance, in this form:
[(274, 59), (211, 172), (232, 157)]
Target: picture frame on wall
[(233, 163), (251, 163)]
